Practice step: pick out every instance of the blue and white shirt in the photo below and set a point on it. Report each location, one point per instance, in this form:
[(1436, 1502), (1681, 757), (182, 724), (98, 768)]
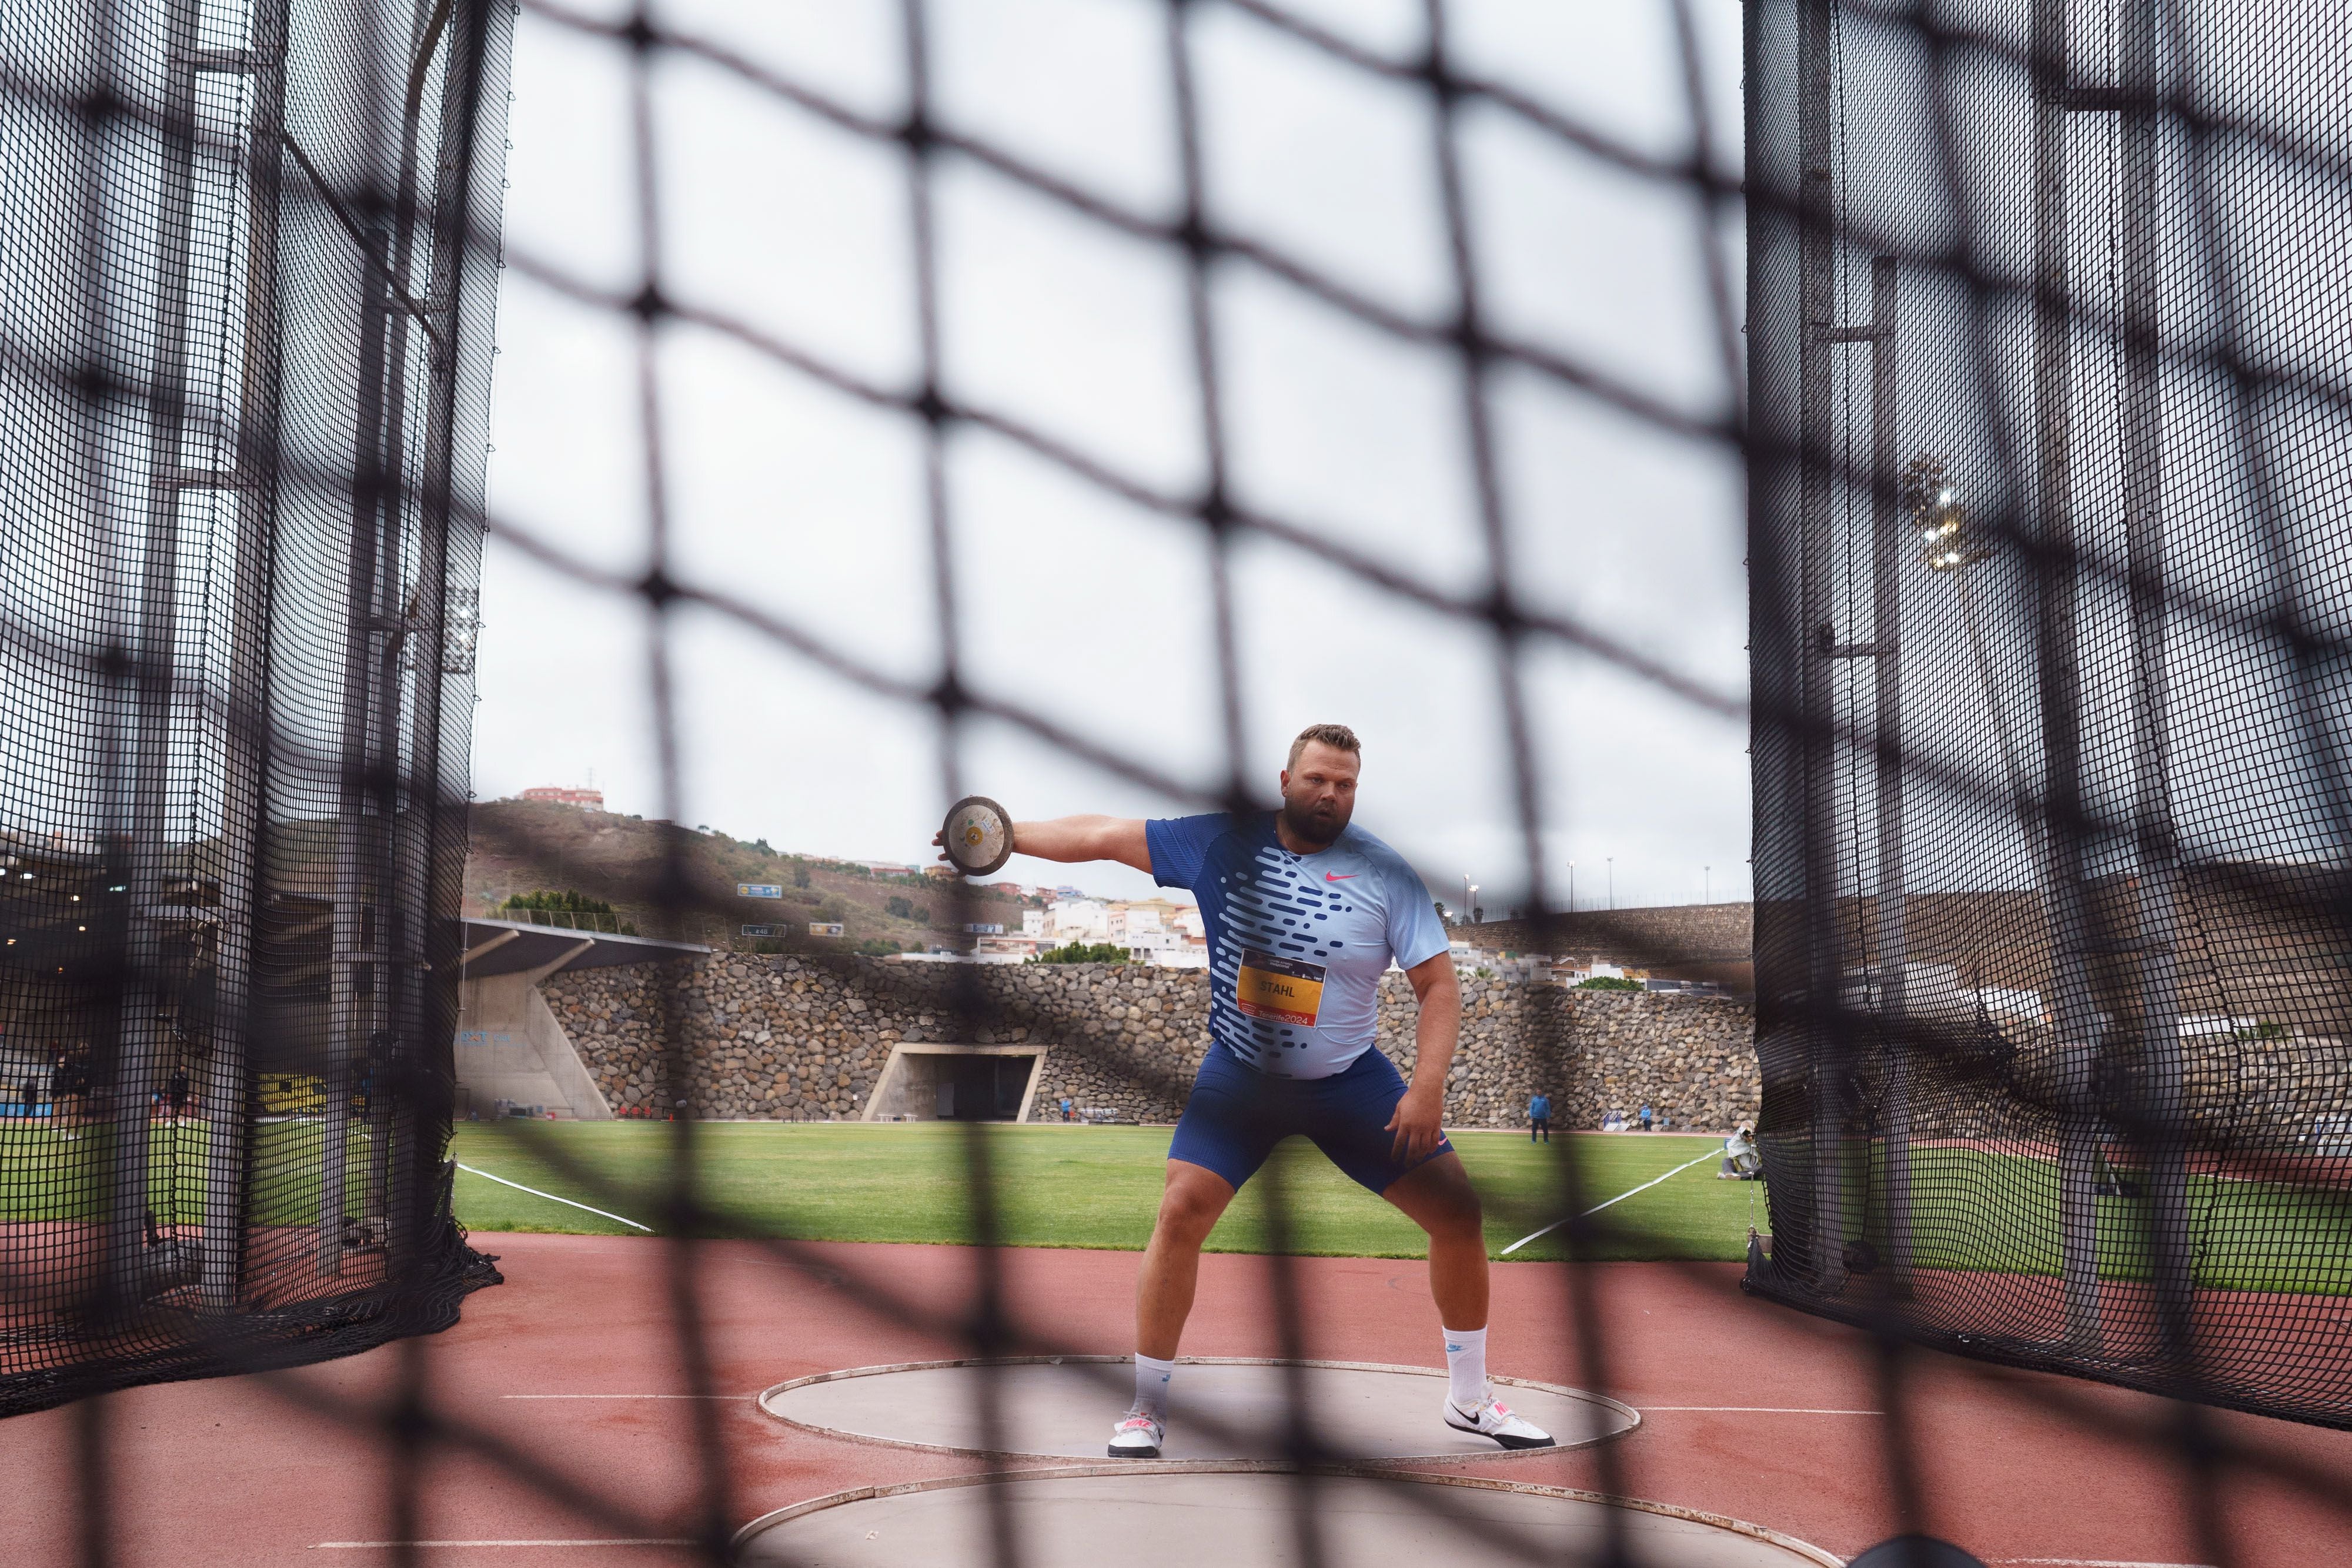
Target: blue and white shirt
[(1296, 943)]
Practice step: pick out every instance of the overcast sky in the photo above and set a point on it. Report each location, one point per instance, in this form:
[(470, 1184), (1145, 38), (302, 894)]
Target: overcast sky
[(1077, 605)]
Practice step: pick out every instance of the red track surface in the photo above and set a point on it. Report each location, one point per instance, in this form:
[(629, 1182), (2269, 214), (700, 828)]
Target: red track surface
[(2021, 1467)]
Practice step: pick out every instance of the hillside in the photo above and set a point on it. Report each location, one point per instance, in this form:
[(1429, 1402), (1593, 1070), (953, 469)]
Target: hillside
[(521, 847)]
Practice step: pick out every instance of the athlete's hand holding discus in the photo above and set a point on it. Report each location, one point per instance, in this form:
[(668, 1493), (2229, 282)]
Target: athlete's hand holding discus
[(980, 835)]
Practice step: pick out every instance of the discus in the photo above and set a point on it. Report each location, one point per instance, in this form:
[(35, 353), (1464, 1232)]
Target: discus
[(977, 835)]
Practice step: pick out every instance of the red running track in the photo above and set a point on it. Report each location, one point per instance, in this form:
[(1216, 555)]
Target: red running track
[(2023, 1468)]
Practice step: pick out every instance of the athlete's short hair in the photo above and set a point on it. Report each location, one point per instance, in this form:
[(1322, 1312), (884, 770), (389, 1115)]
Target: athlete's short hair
[(1337, 736)]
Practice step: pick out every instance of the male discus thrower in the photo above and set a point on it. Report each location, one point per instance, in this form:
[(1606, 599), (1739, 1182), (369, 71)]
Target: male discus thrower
[(977, 835)]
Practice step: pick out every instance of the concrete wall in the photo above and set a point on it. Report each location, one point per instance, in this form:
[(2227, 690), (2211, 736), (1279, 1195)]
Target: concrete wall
[(511, 1046), (802, 1038)]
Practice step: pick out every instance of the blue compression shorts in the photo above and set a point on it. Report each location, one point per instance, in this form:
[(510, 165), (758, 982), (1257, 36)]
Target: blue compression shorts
[(1237, 1115)]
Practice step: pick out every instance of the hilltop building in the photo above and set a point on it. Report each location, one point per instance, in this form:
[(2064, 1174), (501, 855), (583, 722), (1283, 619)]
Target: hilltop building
[(561, 795)]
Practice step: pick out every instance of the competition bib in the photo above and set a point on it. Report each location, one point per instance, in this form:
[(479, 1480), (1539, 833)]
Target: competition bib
[(1282, 990)]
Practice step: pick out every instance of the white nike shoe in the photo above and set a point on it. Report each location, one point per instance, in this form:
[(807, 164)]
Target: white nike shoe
[(1490, 1418), (1138, 1437)]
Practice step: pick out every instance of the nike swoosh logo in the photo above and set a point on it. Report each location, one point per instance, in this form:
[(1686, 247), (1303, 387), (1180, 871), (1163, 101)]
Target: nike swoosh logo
[(1339, 875)]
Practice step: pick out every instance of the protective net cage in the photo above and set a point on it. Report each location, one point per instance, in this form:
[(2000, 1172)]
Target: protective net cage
[(2039, 406), (2048, 333), (249, 252)]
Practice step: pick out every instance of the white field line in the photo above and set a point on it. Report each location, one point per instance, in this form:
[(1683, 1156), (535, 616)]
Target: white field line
[(628, 1396), (1726, 1409), (552, 1198), (401, 1545), (2096, 1562), (1555, 1225)]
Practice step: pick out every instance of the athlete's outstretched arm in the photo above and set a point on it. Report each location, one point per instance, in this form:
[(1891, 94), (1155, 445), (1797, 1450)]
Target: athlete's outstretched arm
[(1419, 1116), (1119, 839)]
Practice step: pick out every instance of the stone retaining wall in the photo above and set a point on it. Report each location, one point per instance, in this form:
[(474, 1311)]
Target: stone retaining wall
[(802, 1038)]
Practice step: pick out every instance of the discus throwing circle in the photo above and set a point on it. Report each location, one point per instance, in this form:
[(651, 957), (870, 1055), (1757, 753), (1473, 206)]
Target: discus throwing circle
[(1224, 1409), (1147, 1515)]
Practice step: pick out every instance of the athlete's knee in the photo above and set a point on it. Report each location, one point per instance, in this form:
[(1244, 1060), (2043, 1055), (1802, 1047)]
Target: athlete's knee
[(1191, 1205), (1442, 1201), (1459, 1210)]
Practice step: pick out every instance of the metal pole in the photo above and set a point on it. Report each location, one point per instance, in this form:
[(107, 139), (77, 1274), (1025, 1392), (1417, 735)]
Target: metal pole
[(2051, 568), (2163, 1129), (145, 1031), (458, 304), (1887, 543), (244, 795), (1817, 271), (356, 895)]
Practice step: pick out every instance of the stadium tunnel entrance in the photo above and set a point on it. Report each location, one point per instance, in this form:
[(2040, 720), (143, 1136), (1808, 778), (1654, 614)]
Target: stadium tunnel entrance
[(958, 1083)]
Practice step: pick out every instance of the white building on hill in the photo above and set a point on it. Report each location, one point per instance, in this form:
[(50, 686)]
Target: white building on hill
[(1080, 920)]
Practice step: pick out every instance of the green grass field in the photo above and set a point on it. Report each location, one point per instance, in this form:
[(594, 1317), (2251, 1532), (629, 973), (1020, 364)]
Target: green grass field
[(1078, 1186), (48, 1173), (1097, 1186)]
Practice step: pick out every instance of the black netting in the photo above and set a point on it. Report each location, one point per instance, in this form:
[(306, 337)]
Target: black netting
[(2043, 404), (2048, 331), (245, 396)]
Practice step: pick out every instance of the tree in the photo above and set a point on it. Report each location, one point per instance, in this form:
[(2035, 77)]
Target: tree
[(1083, 953), (1609, 982), (800, 876), (544, 898)]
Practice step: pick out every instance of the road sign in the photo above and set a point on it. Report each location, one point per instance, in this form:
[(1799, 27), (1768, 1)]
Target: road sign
[(759, 930), (825, 928), (758, 890)]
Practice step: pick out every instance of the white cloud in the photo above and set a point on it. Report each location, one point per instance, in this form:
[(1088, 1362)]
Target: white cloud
[(1089, 610)]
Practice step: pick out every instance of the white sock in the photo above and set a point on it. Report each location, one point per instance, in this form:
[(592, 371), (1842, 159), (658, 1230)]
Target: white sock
[(1152, 1387), (1465, 1366)]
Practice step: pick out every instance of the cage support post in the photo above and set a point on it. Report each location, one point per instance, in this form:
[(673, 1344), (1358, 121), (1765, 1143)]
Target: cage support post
[(1887, 543), (356, 893), (1885, 975), (1825, 1003), (245, 793), (2162, 1130), (144, 1030), (462, 263), (2051, 570), (409, 651)]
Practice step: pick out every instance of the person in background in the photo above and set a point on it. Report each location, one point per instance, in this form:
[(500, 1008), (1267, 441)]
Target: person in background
[(1540, 1118), (1065, 1107), (1741, 1160), (1645, 1118)]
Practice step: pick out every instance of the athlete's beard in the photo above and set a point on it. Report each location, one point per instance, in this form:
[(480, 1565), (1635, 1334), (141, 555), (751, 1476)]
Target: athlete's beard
[(1310, 825)]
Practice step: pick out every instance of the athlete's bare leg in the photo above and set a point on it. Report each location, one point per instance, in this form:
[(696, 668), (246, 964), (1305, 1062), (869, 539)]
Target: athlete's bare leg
[(1438, 1196), (1189, 1207)]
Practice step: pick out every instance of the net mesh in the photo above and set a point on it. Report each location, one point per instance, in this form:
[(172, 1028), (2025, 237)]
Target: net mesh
[(251, 253), (2046, 516), (2039, 406)]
